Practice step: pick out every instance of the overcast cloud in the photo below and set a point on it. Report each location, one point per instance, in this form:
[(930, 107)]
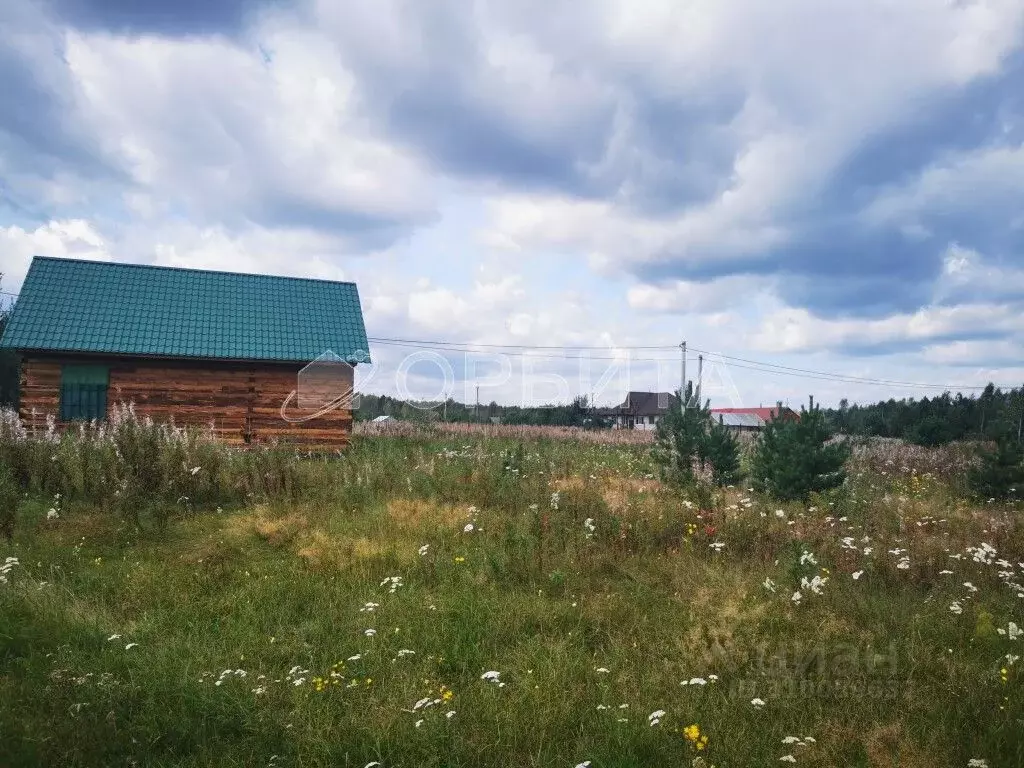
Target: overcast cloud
[(824, 185)]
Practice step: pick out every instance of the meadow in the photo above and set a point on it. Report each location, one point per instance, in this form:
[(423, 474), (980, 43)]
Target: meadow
[(432, 598)]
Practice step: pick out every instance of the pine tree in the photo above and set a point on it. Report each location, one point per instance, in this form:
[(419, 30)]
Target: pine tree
[(679, 438), (999, 473), (721, 450), (794, 458)]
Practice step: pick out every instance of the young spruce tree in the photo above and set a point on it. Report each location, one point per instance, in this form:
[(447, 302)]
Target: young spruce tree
[(794, 459), (684, 435), (679, 438), (721, 450), (999, 474)]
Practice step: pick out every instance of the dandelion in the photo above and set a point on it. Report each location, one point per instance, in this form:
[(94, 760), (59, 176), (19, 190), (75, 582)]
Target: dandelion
[(693, 735), (459, 559)]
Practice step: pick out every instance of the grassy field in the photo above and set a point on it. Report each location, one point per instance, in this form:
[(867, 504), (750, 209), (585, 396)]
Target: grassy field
[(471, 600)]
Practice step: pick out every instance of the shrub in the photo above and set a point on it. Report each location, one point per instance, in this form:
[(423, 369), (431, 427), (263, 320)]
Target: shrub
[(679, 439), (721, 450), (10, 494), (999, 473), (794, 458)]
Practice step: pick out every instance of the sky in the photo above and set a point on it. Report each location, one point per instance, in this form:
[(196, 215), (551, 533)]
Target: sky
[(828, 186)]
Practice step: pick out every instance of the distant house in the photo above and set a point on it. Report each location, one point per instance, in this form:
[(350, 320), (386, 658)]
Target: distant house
[(198, 347), (640, 410), (750, 419)]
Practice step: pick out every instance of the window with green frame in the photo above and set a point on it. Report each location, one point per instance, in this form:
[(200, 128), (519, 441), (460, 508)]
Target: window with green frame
[(83, 392)]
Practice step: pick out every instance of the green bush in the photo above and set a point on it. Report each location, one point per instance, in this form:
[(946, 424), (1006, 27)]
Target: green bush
[(999, 473), (794, 458), (721, 450)]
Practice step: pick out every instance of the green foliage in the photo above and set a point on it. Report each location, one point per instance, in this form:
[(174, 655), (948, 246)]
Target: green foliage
[(793, 458), (999, 473), (937, 420), (10, 364), (680, 438), (140, 468), (684, 436), (721, 450), (10, 495)]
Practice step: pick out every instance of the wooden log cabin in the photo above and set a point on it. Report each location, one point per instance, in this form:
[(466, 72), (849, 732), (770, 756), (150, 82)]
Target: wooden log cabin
[(194, 347)]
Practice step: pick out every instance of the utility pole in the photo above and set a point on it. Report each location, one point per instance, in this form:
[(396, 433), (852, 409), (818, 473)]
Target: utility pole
[(682, 384), (476, 408), (446, 406), (700, 376)]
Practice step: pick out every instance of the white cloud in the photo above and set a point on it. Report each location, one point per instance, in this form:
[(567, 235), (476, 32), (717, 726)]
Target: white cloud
[(73, 238), (987, 178), (209, 125), (791, 329), (690, 297)]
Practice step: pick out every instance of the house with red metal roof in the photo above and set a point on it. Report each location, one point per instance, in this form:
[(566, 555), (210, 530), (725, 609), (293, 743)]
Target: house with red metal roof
[(751, 419)]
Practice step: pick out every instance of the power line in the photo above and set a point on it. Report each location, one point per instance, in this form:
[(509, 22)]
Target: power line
[(515, 346), (754, 365)]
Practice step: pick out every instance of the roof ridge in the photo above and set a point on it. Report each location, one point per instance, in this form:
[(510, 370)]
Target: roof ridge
[(36, 257)]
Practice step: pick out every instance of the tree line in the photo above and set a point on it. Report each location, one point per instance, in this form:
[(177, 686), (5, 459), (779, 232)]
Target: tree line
[(578, 413), (991, 415)]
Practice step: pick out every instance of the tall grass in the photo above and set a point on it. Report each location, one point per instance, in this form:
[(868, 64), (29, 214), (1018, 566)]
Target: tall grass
[(600, 597)]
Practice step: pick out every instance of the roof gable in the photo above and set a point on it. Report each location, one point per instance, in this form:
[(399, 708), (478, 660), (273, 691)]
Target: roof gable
[(71, 305), (649, 403)]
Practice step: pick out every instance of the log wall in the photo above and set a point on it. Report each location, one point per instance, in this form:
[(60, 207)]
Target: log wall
[(241, 401)]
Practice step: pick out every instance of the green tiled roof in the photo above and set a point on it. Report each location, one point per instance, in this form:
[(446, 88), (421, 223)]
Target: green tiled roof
[(71, 305)]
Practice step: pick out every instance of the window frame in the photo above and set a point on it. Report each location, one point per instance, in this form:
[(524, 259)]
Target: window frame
[(82, 395)]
